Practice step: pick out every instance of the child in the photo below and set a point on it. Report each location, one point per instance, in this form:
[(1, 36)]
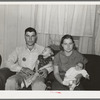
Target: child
[(70, 80), (44, 61)]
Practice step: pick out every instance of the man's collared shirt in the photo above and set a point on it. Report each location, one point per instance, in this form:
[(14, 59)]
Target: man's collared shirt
[(23, 57)]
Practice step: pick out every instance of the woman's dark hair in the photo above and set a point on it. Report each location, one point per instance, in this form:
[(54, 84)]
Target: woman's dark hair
[(30, 29), (67, 36)]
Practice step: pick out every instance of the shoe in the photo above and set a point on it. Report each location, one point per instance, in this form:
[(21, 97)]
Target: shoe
[(49, 85)]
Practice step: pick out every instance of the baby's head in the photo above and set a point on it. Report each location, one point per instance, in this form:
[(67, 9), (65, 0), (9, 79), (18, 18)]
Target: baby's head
[(79, 66), (47, 52)]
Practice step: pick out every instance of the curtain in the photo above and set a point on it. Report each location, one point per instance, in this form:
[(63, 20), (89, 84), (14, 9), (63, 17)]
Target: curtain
[(97, 31), (77, 20), (51, 22)]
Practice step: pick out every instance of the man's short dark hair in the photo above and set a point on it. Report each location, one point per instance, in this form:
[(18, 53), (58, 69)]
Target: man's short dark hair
[(30, 29)]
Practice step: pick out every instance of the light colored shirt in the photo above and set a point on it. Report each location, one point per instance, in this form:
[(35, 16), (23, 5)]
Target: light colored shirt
[(23, 57), (72, 73)]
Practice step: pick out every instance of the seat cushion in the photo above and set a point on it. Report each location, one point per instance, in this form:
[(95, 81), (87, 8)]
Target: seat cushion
[(4, 74)]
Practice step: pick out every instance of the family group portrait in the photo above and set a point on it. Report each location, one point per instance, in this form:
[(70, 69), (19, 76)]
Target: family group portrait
[(50, 47)]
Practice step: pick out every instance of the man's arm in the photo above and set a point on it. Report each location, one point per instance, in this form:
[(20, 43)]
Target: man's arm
[(12, 62)]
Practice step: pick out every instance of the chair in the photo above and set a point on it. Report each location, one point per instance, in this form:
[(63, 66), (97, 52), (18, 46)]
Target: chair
[(4, 74)]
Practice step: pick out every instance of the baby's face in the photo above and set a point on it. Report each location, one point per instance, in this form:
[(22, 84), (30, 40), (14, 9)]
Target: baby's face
[(46, 52), (79, 66)]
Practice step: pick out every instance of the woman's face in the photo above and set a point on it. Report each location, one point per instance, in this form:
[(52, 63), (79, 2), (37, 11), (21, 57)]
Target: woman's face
[(67, 45)]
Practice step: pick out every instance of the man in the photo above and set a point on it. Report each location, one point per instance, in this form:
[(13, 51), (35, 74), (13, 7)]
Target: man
[(23, 59)]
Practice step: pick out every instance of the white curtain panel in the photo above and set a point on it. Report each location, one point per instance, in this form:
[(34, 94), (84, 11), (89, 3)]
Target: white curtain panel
[(77, 20), (51, 22)]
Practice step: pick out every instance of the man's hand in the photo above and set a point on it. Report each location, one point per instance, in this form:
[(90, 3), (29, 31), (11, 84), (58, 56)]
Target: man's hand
[(36, 74), (27, 71), (43, 73)]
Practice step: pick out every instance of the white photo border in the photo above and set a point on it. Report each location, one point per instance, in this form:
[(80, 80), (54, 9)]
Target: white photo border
[(59, 95)]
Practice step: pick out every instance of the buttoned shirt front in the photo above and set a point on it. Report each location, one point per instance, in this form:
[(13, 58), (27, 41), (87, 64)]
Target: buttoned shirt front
[(23, 57)]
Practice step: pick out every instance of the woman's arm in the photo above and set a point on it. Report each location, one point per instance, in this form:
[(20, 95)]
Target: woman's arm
[(78, 77), (57, 75)]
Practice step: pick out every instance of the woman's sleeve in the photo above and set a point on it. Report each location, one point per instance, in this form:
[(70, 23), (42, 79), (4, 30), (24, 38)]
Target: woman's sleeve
[(56, 59)]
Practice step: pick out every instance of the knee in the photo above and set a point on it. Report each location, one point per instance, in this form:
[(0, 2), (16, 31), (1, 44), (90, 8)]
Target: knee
[(10, 84), (38, 85), (10, 80)]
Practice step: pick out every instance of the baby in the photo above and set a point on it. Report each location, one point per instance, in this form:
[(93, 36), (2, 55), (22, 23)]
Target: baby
[(70, 80), (44, 61)]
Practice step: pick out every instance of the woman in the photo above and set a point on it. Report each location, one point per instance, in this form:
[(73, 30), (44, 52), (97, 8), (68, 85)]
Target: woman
[(65, 59)]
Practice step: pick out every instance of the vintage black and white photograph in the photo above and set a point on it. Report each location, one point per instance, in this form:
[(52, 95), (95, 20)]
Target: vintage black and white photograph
[(50, 47)]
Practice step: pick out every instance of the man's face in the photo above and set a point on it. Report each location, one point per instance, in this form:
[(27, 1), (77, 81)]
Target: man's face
[(67, 45), (30, 38)]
